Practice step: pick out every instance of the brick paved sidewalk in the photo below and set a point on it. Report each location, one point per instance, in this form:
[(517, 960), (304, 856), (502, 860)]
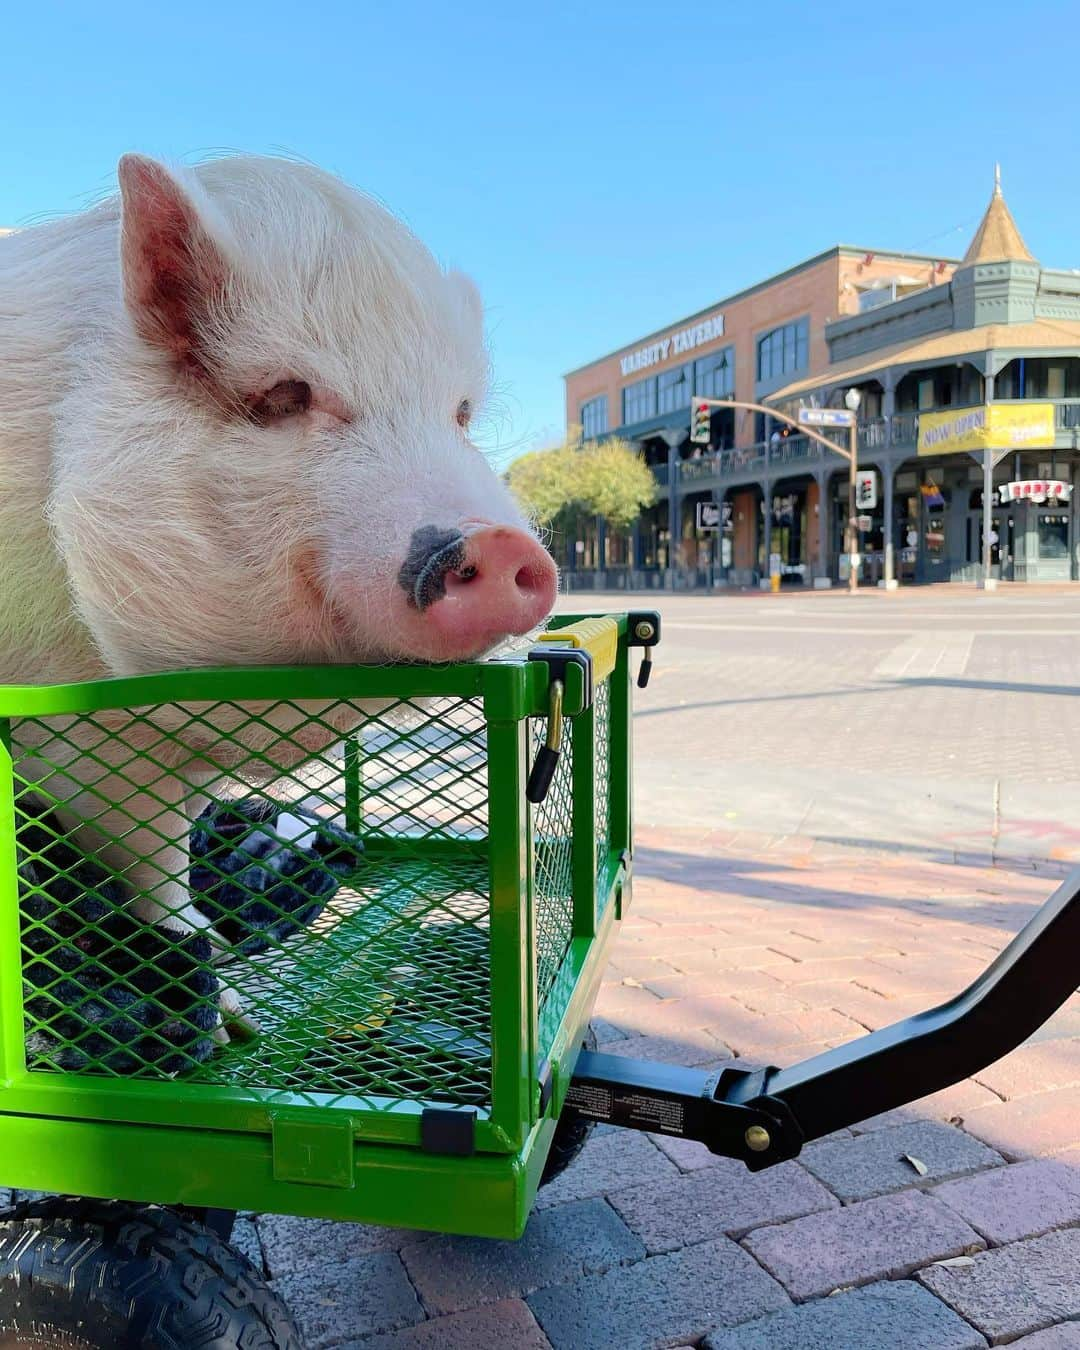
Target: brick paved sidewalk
[(764, 949)]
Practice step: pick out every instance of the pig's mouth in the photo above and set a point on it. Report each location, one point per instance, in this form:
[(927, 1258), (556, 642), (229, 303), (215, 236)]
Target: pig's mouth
[(312, 600)]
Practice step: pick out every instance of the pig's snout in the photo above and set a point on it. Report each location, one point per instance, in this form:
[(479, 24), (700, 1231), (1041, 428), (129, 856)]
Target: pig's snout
[(475, 589)]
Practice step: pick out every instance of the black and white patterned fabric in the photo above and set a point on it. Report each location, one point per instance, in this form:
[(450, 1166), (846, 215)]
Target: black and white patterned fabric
[(106, 990), (260, 873)]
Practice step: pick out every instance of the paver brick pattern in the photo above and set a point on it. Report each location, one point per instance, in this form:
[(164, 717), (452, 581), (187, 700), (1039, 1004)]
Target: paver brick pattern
[(893, 1315), (1025, 1286), (885, 1238), (649, 1241)]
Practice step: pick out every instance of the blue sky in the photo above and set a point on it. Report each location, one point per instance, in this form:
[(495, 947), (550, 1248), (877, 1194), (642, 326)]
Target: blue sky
[(601, 169)]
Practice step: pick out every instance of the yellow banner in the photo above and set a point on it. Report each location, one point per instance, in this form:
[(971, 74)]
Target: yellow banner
[(994, 426)]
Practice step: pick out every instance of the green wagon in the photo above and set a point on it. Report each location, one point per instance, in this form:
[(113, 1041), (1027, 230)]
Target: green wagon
[(415, 1041), (421, 870)]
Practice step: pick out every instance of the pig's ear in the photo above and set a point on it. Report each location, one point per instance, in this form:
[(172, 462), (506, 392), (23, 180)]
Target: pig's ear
[(174, 273), (464, 290)]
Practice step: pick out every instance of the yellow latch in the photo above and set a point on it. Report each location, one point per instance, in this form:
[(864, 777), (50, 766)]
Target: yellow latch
[(599, 637)]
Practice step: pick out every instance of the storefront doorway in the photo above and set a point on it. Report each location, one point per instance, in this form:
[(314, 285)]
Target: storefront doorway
[(789, 538), (1052, 541), (1029, 541), (1003, 537)]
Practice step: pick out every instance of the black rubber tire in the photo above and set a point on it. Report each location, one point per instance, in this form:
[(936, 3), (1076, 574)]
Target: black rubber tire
[(571, 1135), (103, 1275)]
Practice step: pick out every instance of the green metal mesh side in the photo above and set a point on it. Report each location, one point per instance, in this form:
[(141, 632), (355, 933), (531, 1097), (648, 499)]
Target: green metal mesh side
[(374, 981), (553, 868), (602, 807)]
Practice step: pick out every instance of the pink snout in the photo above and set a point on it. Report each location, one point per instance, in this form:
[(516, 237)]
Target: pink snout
[(475, 590)]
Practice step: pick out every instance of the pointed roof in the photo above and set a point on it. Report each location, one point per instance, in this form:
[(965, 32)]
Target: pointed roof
[(997, 239)]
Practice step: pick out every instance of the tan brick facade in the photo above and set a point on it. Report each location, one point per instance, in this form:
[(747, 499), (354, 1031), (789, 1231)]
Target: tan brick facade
[(822, 289)]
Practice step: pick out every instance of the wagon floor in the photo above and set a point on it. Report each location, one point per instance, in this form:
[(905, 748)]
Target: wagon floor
[(387, 995)]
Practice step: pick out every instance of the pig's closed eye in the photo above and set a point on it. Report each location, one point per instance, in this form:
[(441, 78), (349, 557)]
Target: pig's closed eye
[(286, 399)]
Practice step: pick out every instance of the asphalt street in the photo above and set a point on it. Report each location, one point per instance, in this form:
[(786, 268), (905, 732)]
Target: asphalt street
[(937, 719)]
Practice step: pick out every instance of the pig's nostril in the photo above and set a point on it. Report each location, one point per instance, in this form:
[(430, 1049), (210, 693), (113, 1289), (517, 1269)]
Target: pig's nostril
[(467, 573), (528, 579)]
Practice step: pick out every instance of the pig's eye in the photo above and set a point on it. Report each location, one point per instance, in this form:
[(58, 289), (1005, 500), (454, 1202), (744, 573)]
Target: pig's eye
[(285, 399), (464, 413)]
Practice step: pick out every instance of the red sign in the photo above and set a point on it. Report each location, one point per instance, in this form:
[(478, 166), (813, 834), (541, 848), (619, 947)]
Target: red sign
[(1035, 490)]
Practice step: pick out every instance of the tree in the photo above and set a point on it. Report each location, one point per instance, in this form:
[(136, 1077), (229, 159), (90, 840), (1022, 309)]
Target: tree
[(597, 478), (617, 483)]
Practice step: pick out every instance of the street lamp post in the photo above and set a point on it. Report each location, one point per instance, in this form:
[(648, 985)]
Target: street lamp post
[(852, 399)]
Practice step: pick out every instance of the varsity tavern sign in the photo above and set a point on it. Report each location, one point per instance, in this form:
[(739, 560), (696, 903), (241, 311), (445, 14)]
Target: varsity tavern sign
[(675, 344)]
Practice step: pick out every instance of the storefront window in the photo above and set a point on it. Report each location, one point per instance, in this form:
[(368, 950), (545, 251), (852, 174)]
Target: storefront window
[(935, 502), (1053, 535), (906, 530)]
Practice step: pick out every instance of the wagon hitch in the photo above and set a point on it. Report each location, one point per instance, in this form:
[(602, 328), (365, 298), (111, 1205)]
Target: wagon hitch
[(765, 1116)]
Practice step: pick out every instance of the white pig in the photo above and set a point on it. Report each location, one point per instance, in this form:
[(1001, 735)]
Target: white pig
[(234, 412)]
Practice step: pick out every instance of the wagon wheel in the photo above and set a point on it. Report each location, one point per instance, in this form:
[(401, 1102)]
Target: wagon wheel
[(106, 1275), (571, 1133)]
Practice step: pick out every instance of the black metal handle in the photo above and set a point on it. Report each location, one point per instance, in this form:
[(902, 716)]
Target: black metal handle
[(764, 1117)]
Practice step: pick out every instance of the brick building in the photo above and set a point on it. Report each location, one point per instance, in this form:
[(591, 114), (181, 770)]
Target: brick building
[(921, 339)]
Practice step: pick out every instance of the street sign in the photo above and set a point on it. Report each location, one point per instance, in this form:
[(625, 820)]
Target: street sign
[(866, 489), (826, 417), (864, 522), (708, 516)]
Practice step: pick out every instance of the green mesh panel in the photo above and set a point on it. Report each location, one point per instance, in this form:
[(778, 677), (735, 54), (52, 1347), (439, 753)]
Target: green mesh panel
[(383, 996), (602, 807), (553, 870)]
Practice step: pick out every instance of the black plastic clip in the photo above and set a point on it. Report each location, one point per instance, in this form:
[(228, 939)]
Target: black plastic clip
[(448, 1129), (643, 630)]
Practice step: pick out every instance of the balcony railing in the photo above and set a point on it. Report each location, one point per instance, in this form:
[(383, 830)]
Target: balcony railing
[(1067, 414), (905, 426), (874, 434)]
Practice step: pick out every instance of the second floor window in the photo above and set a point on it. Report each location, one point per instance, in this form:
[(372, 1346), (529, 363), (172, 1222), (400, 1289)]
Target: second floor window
[(714, 375), (673, 390), (639, 401), (594, 418), (783, 350)]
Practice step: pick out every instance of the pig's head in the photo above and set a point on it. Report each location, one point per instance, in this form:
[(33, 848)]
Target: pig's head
[(266, 457)]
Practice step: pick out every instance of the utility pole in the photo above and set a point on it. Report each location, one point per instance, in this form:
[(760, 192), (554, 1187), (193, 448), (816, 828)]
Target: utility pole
[(852, 399)]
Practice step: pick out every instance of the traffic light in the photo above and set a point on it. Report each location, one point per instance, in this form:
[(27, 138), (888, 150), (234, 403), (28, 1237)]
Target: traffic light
[(866, 490), (701, 422)]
